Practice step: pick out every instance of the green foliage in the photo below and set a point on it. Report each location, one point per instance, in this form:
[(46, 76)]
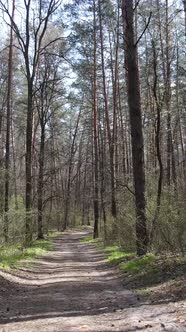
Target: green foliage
[(53, 219), (10, 255), (137, 264), (16, 222), (54, 234), (121, 230), (16, 200), (128, 262), (75, 218), (170, 233), (115, 253), (89, 239)]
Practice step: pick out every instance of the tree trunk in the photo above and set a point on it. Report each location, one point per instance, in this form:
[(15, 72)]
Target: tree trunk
[(179, 118), (14, 166), (158, 148), (95, 134), (184, 6), (134, 101), (122, 133), (110, 139), (8, 122), (67, 201), (40, 234), (28, 202)]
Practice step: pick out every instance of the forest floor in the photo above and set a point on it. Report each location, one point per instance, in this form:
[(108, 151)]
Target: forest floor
[(73, 288)]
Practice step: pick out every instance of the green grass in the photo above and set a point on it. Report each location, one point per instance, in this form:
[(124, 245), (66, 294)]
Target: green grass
[(10, 255), (115, 254), (54, 234), (138, 264), (89, 239), (127, 261)]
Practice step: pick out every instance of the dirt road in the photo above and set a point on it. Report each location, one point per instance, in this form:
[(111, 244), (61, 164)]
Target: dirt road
[(71, 289)]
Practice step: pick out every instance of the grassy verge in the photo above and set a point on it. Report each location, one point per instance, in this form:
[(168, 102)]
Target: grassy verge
[(10, 255), (116, 255), (155, 278), (138, 264), (53, 234), (127, 262), (89, 239)]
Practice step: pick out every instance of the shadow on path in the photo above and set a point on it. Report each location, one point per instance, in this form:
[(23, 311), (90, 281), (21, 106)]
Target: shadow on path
[(71, 288)]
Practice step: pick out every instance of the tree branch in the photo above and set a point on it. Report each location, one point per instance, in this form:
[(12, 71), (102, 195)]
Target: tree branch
[(136, 5), (147, 24)]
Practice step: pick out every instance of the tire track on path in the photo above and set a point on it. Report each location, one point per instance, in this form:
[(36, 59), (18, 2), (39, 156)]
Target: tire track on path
[(72, 288)]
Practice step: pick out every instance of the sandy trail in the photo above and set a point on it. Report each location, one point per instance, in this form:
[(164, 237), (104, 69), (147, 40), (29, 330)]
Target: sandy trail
[(71, 289)]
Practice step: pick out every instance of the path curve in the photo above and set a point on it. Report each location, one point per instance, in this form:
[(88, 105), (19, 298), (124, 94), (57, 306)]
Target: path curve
[(73, 288)]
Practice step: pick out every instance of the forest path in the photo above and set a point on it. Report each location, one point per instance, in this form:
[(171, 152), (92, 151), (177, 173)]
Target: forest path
[(72, 288)]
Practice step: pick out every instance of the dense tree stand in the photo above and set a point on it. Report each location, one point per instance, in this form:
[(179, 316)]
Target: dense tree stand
[(92, 122)]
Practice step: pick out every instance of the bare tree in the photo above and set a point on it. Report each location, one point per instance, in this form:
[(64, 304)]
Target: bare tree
[(28, 47)]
